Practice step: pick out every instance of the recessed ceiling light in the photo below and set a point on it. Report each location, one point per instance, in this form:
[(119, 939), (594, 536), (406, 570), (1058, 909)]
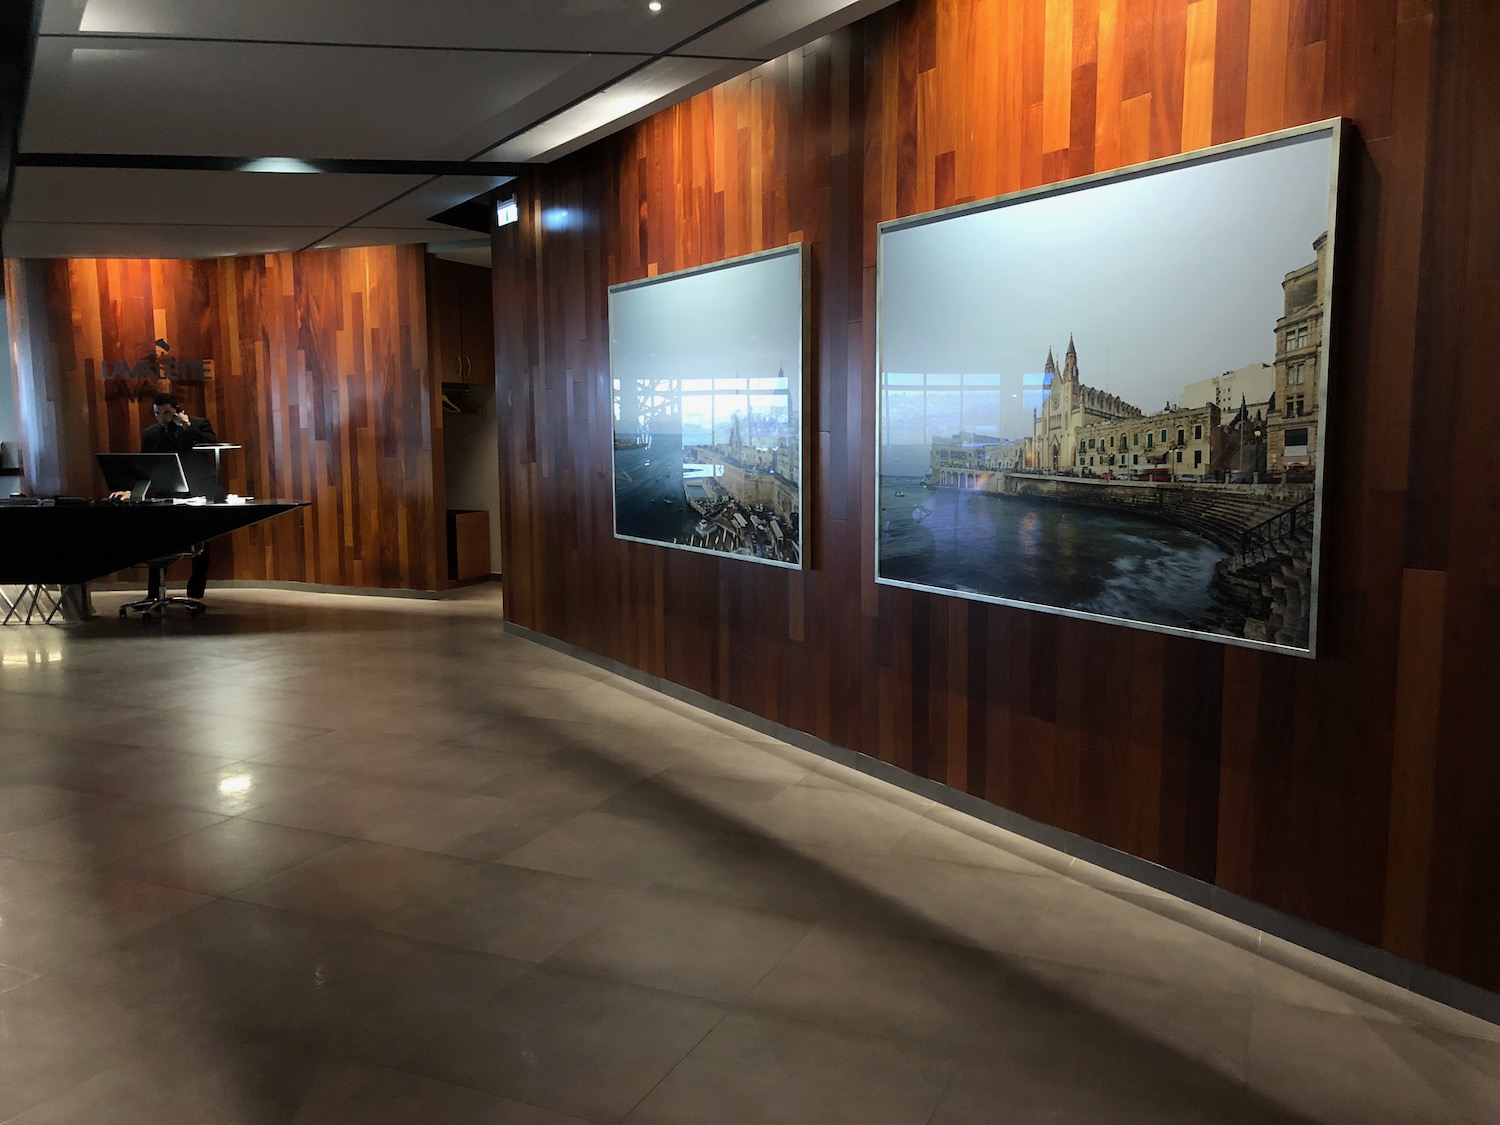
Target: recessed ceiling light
[(655, 5)]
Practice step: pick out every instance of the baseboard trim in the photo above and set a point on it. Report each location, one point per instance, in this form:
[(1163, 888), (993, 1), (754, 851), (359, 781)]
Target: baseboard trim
[(296, 587), (1420, 979)]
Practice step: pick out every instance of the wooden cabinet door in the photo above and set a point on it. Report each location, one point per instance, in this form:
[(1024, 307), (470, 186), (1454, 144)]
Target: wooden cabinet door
[(478, 325), (444, 322)]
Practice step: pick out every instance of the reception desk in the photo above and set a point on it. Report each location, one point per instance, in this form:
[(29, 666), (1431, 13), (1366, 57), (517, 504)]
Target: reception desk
[(50, 543)]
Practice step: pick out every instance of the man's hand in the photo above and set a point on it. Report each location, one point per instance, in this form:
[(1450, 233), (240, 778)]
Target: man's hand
[(182, 420)]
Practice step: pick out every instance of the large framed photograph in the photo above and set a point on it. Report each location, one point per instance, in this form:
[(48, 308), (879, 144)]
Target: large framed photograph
[(1107, 398), (707, 370)]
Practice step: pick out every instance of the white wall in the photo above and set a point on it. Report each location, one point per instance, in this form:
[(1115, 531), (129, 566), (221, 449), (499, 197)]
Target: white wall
[(471, 463), (10, 420)]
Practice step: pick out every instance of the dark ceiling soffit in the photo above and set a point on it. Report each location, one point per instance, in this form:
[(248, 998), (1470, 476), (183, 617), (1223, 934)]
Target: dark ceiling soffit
[(475, 214), (20, 20), (456, 48), (345, 166)]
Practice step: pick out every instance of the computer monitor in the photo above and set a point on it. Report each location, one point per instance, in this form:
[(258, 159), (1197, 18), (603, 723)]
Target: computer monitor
[(201, 469), (144, 475)]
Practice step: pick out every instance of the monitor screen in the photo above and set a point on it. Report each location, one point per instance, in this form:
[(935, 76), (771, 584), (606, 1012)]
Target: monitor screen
[(144, 475)]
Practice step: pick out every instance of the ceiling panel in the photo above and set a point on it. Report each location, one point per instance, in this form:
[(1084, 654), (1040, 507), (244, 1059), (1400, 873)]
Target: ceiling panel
[(435, 80), (559, 25), (379, 236), (48, 240), (777, 26), (131, 195), (238, 100), (653, 87)]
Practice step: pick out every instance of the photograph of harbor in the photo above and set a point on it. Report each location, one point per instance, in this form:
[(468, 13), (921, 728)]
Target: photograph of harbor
[(707, 388), (1110, 401)]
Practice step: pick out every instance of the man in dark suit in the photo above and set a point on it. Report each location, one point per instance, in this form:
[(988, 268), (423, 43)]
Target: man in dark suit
[(176, 432)]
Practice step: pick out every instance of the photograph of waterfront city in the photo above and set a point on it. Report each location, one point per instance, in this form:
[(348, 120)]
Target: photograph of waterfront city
[(707, 374), (1108, 400)]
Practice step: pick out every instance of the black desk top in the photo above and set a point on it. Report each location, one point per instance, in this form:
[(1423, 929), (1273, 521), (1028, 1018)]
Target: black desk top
[(77, 542)]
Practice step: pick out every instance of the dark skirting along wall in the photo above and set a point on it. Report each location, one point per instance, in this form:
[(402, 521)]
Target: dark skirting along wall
[(1360, 791), (320, 372)]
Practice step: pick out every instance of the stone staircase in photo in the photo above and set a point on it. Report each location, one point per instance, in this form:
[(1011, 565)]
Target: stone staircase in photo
[(1271, 578)]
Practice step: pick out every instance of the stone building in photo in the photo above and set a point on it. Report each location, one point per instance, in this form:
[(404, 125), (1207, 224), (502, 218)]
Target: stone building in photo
[(1292, 426)]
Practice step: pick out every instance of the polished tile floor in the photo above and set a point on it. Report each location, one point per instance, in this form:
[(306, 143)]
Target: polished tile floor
[(325, 859)]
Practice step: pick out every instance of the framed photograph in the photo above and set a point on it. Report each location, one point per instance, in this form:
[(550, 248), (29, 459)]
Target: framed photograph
[(1108, 398), (709, 435)]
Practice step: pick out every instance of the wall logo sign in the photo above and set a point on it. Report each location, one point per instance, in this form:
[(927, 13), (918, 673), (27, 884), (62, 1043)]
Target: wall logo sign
[(146, 377)]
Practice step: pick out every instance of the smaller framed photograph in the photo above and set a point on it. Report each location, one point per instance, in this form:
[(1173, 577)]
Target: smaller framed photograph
[(707, 371)]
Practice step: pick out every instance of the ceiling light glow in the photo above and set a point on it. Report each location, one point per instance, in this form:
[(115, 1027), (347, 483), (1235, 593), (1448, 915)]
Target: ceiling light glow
[(655, 5), (278, 164)]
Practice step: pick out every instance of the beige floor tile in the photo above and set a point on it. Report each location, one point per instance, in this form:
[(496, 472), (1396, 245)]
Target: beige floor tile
[(706, 801), (471, 825), (233, 788), (223, 857), (22, 876), (1463, 1071), (24, 806), (775, 876), (102, 830), (520, 735), (513, 911), (398, 1098), (204, 963), (834, 818), (212, 1076), (489, 804), (931, 840), (683, 945), (1092, 929), (1338, 1069), (992, 909), (403, 760), (636, 852), (932, 992), (1202, 1025), (82, 915), (756, 1070), (581, 1046), (376, 997), (1291, 975), (572, 779), (1000, 837), (746, 760), (833, 775), (341, 806), (52, 1038), (193, 732), (358, 882)]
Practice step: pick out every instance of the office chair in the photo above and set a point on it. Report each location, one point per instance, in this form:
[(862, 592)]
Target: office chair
[(157, 581)]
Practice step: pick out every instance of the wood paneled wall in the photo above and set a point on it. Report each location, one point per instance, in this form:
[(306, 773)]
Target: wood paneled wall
[(320, 373), (1361, 790)]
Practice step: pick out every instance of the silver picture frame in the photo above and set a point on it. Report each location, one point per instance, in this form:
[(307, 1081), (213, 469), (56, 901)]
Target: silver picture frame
[(1065, 310), (709, 418)]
